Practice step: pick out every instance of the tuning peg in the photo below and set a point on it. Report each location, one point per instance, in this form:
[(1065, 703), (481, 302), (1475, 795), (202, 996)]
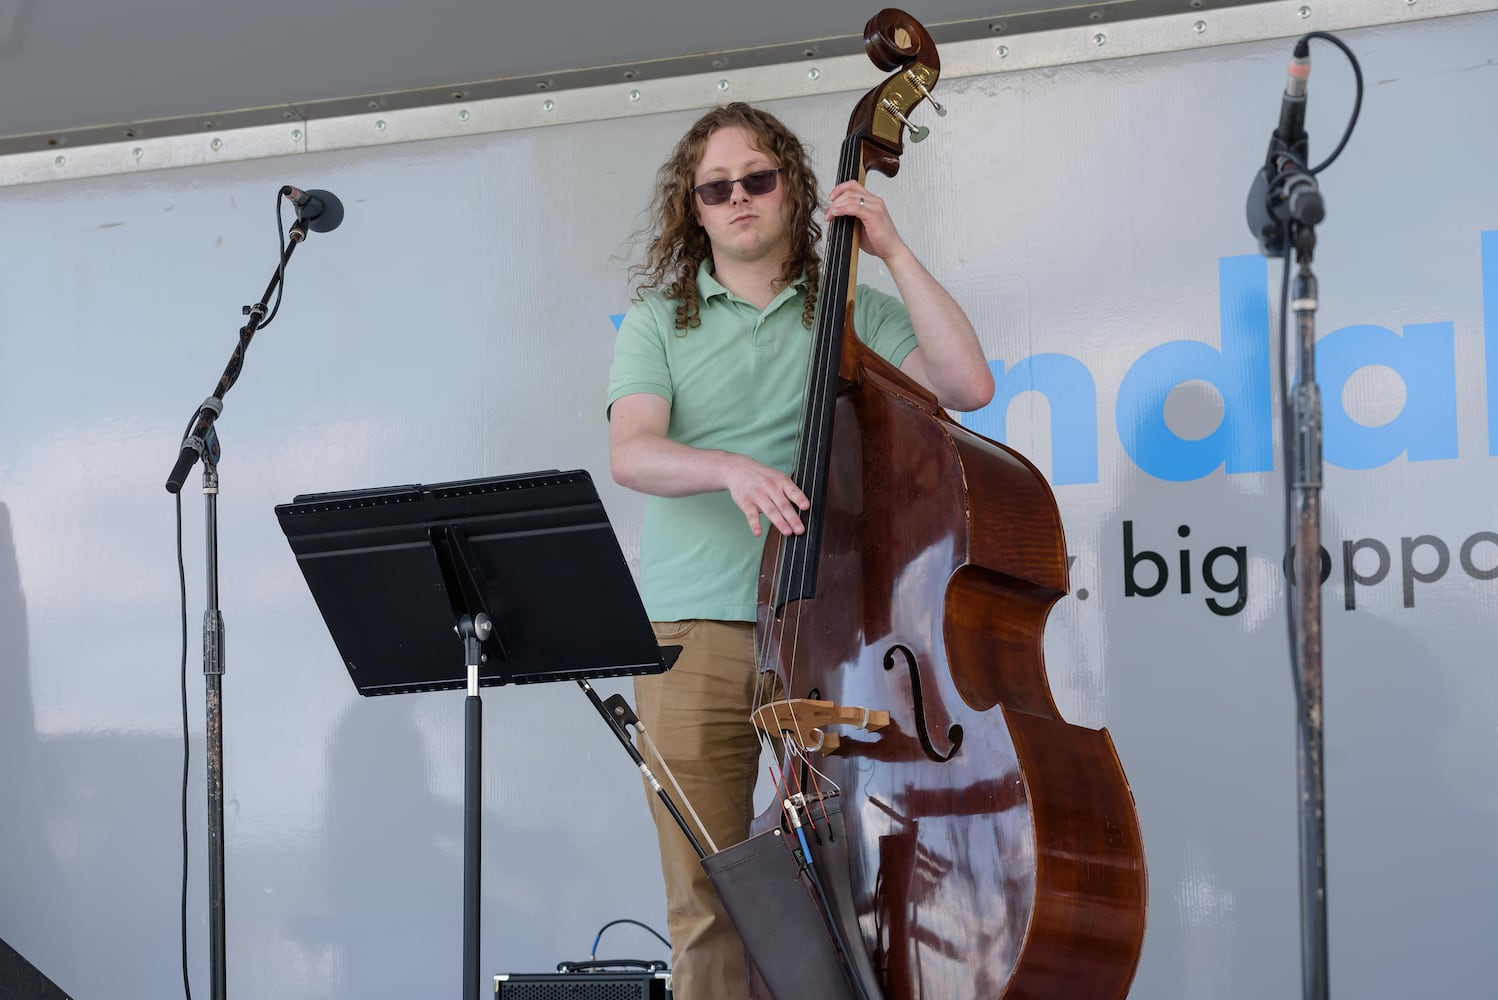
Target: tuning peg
[(941, 112), (917, 132)]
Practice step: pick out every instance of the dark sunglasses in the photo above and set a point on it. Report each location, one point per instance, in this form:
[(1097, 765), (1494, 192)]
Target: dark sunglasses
[(758, 183)]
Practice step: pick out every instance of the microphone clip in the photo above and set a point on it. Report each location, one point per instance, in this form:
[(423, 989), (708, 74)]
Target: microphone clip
[(1284, 194)]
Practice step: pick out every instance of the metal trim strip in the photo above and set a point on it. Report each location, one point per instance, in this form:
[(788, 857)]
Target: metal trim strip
[(1007, 44)]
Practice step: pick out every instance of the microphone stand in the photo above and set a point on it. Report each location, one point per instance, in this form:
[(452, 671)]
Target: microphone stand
[(201, 443), (1305, 485), (1284, 205)]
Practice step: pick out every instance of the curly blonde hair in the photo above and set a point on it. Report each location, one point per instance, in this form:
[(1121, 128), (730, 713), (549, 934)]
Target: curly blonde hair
[(679, 245)]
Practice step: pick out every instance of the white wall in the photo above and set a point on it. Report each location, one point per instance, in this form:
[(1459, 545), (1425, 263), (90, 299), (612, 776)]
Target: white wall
[(457, 325)]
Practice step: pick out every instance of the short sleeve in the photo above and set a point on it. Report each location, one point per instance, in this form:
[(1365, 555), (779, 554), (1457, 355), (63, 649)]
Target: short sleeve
[(883, 324), (640, 363)]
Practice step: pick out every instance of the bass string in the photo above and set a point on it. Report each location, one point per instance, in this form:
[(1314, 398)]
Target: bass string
[(813, 435)]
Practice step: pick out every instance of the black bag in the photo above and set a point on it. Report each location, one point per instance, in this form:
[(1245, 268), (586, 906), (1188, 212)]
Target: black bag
[(779, 914)]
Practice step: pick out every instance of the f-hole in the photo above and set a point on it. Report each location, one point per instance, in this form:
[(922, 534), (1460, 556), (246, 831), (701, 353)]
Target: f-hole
[(922, 730)]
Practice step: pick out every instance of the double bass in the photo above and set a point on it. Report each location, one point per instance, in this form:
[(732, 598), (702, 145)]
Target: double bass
[(992, 848)]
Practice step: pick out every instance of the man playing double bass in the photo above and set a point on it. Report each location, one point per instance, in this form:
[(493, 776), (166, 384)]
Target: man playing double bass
[(705, 399)]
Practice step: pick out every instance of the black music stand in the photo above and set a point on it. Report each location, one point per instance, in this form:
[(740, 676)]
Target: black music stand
[(526, 569)]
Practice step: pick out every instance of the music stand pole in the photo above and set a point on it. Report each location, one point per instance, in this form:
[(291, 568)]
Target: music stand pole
[(474, 629)]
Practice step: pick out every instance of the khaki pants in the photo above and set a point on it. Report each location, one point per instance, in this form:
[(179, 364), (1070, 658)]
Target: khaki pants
[(697, 714)]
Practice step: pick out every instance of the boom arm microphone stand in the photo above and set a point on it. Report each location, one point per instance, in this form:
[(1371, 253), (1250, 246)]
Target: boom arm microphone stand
[(1284, 206), (201, 443)]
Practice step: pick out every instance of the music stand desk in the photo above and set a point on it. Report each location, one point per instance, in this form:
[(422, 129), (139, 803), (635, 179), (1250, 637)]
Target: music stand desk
[(525, 569)]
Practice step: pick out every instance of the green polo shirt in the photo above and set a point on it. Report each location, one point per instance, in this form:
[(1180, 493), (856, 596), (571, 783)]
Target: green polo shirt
[(735, 383)]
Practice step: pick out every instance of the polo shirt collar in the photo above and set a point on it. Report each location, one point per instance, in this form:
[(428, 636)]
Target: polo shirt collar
[(708, 286)]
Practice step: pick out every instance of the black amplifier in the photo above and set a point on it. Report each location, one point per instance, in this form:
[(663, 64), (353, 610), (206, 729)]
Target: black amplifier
[(604, 984)]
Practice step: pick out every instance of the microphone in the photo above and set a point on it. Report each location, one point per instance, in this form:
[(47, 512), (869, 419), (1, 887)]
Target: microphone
[(1296, 191), (1292, 127), (320, 210), (1284, 191)]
